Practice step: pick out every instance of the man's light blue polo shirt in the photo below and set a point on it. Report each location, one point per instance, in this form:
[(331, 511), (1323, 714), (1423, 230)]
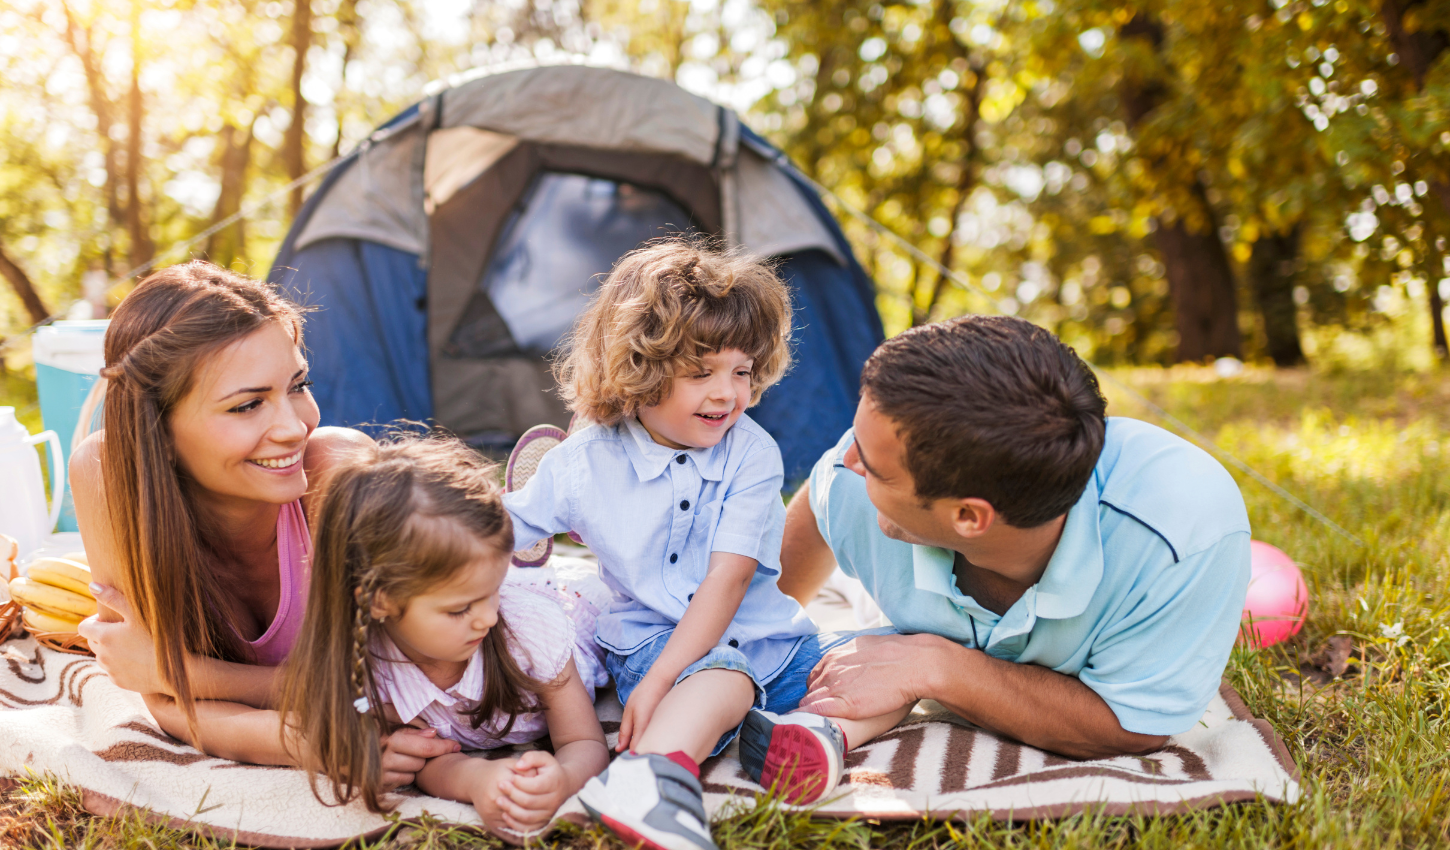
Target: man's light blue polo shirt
[(1141, 601)]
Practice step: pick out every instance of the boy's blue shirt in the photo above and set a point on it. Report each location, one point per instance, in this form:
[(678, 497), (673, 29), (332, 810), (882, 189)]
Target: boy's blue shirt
[(653, 515), (1141, 600)]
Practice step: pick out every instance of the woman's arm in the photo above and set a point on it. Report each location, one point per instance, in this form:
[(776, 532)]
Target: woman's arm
[(326, 448), (226, 730), (706, 619)]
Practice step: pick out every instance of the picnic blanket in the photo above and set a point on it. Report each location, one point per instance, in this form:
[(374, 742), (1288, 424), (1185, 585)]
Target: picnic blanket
[(61, 714)]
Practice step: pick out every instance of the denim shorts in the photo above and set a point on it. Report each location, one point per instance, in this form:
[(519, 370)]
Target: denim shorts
[(781, 694)]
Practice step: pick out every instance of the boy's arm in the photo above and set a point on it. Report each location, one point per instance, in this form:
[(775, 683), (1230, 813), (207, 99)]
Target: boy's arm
[(706, 619), (542, 507)]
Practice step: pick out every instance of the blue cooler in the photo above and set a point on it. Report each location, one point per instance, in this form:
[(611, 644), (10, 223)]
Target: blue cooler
[(68, 361)]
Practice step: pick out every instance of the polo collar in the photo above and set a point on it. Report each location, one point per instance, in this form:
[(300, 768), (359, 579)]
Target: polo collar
[(414, 692), (650, 459), (1069, 582)]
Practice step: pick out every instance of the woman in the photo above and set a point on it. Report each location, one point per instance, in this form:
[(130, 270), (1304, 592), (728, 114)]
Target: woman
[(192, 505)]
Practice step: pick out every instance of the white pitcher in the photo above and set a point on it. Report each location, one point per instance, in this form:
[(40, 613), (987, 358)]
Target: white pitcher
[(23, 512)]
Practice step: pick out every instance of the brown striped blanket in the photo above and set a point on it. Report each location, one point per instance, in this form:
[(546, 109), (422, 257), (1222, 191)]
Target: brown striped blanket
[(60, 714)]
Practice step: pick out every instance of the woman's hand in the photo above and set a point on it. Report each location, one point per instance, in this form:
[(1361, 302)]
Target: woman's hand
[(407, 749), (533, 792), (124, 648), (640, 708)]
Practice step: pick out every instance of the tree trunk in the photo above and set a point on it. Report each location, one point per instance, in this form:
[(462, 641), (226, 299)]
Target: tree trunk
[(142, 250), (230, 243), (1200, 279), (1201, 287), (20, 282), (1271, 270), (347, 26), (293, 153), (79, 40)]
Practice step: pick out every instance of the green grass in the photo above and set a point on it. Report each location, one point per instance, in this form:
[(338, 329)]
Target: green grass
[(1369, 448)]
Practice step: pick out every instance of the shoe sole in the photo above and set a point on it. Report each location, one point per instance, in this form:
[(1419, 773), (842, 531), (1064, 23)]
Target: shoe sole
[(797, 763), (523, 462), (631, 836)]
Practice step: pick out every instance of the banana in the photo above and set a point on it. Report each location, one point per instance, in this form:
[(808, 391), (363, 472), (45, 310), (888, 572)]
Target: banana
[(60, 572), (50, 599), (78, 557), (37, 621)]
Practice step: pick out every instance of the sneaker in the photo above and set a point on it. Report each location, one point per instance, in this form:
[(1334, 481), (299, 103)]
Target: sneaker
[(801, 755), (522, 464), (649, 801)]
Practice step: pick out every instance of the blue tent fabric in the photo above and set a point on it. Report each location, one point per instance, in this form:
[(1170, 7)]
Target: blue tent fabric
[(807, 411), (366, 338)]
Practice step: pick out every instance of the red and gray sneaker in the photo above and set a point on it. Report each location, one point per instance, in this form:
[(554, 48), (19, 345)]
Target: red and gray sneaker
[(523, 463), (800, 755), (649, 801)]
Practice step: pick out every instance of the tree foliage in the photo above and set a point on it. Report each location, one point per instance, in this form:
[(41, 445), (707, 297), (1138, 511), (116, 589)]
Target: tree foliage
[(1152, 179)]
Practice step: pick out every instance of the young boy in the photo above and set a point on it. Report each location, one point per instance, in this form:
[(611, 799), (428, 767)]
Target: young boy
[(677, 492)]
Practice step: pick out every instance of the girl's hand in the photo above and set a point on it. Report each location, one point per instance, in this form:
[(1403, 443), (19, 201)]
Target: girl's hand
[(533, 792), (638, 711), (406, 750), (123, 647)]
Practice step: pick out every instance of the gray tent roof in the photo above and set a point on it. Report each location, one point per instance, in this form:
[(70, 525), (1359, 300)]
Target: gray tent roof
[(406, 171)]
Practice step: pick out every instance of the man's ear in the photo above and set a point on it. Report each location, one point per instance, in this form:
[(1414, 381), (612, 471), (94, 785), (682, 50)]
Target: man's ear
[(973, 517)]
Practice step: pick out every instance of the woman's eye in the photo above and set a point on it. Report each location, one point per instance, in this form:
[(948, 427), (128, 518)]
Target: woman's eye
[(247, 407), (301, 386)]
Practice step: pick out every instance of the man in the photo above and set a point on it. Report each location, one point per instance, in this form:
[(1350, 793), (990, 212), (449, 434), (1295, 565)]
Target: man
[(1072, 582)]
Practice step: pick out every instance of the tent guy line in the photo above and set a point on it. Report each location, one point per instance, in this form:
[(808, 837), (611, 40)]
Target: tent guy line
[(1176, 423)]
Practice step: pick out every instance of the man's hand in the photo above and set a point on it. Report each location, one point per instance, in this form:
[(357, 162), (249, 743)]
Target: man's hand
[(640, 708), (533, 792), (868, 676), (406, 750), (124, 647)]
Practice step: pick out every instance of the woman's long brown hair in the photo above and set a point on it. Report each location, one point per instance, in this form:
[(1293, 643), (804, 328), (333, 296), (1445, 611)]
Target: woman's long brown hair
[(397, 520), (158, 339)]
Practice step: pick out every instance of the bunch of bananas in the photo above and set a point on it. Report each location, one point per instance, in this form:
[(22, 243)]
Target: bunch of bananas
[(55, 594)]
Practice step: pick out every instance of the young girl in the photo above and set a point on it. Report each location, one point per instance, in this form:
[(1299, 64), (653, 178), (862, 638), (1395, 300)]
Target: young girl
[(415, 620), (677, 492)]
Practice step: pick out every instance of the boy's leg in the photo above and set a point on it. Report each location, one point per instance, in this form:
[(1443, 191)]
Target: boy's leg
[(697, 712), (802, 755), (652, 797)]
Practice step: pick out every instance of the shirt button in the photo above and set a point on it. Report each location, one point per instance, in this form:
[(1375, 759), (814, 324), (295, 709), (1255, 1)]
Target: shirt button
[(734, 642), (690, 598), (685, 505), (674, 557), (679, 458)]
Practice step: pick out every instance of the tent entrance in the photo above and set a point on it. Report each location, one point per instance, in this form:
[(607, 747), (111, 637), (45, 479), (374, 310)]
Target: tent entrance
[(551, 257)]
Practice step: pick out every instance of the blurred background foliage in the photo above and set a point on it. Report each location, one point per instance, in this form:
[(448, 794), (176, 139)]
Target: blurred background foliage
[(1156, 181)]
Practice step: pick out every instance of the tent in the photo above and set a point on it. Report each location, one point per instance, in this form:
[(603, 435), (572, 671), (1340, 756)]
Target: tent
[(447, 257)]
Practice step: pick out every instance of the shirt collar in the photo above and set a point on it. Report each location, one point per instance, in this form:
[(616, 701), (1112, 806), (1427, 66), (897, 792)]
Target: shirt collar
[(650, 459), (1072, 576), (413, 691)]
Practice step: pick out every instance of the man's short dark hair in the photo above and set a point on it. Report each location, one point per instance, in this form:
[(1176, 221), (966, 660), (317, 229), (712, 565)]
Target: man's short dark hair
[(991, 407)]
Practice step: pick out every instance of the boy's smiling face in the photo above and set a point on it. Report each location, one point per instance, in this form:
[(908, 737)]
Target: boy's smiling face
[(703, 404)]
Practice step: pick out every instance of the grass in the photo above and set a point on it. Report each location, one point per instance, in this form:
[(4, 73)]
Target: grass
[(1369, 448)]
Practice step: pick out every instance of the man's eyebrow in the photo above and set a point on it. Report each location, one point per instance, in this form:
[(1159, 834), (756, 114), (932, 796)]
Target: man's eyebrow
[(862, 455), (258, 390)]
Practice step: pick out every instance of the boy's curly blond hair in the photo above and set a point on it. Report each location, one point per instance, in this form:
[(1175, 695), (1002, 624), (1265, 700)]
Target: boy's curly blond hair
[(662, 308)]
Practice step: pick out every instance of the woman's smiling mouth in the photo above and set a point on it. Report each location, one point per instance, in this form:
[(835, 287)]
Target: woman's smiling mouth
[(277, 462)]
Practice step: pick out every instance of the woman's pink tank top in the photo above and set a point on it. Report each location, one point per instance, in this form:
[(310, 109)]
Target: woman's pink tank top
[(294, 553)]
